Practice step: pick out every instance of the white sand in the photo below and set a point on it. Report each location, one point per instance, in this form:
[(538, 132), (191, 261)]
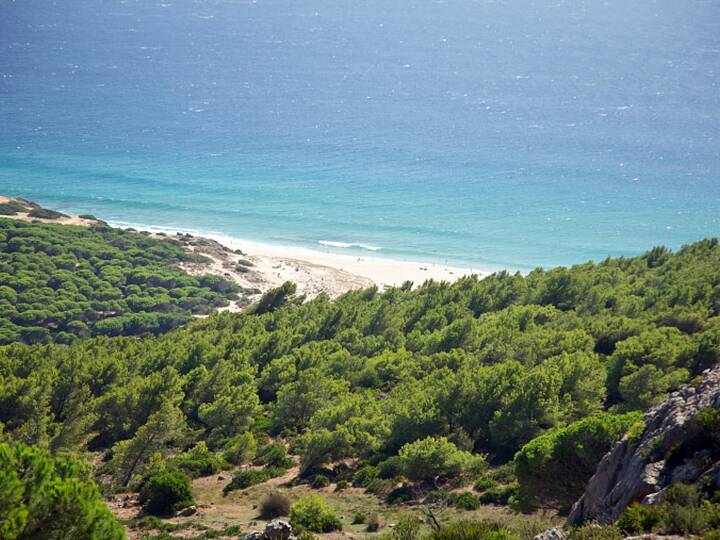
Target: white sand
[(381, 271), (313, 271)]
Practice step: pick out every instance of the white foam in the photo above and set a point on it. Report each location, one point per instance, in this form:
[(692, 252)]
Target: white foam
[(345, 245)]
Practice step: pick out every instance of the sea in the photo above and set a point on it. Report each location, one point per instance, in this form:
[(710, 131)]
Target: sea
[(488, 133)]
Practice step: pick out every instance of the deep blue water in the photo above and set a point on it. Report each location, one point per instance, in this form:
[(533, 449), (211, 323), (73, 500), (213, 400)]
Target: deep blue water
[(496, 133)]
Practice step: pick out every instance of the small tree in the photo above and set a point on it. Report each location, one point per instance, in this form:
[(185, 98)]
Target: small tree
[(311, 512), (130, 456), (432, 458)]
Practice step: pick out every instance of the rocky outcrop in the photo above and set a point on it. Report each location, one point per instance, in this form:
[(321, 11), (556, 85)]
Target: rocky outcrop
[(277, 529), (556, 533), (639, 468)]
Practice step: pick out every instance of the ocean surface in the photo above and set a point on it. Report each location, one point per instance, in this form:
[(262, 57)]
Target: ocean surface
[(496, 134)]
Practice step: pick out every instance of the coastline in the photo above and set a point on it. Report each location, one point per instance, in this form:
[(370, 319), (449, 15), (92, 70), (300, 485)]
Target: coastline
[(258, 267)]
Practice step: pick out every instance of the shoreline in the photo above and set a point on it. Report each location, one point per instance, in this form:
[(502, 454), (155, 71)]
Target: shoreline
[(258, 267)]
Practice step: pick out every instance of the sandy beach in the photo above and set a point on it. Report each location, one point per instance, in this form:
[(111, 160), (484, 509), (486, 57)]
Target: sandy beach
[(258, 267)]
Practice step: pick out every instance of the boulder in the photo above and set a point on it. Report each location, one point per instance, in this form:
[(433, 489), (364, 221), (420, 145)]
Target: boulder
[(556, 533), (277, 529), (635, 470), (186, 512)]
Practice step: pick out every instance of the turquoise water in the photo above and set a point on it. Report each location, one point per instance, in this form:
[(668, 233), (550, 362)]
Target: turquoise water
[(493, 133)]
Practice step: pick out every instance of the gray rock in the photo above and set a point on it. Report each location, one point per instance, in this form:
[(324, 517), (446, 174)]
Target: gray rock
[(255, 535), (556, 533), (635, 470), (186, 512), (277, 529)]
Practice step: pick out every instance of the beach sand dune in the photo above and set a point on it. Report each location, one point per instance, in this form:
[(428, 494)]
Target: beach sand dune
[(258, 267)]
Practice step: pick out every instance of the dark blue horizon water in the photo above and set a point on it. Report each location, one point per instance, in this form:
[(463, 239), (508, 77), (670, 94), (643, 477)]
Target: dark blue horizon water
[(496, 134)]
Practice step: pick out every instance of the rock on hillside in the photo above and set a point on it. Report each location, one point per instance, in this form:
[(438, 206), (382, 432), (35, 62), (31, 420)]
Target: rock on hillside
[(674, 447)]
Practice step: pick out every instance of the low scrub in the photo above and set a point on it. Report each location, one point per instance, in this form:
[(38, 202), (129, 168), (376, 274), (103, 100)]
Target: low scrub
[(166, 493), (312, 513), (250, 477), (274, 505)]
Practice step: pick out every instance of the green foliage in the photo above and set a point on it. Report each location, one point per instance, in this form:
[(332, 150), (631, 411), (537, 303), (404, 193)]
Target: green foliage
[(406, 528), (473, 530), (45, 213), (250, 477), (320, 481), (596, 532), (240, 449), (464, 500), (311, 512), (436, 375), (60, 282), (167, 492), (274, 455), (432, 458), (198, 461), (499, 495), (554, 467), (50, 498)]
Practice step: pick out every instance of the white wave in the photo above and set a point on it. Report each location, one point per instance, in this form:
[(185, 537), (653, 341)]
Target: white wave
[(345, 245)]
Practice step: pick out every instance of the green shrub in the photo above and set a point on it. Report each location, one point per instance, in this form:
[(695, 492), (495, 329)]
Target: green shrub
[(681, 494), (400, 494), (341, 485), (364, 475), (639, 518), (250, 477), (406, 528), (274, 505), (320, 481), (274, 455), (464, 501), (359, 518), (390, 468), (473, 530), (596, 532), (498, 495), (240, 449), (431, 458), (45, 213), (311, 512), (11, 208), (165, 493), (198, 461), (555, 467), (49, 498), (484, 483)]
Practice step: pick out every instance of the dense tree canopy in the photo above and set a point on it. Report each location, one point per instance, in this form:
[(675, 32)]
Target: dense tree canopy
[(436, 373), (61, 282)]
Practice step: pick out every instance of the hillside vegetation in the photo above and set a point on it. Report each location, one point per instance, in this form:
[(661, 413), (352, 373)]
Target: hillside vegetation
[(61, 282), (408, 394)]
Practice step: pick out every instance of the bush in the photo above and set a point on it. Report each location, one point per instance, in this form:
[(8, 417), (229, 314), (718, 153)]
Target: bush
[(320, 481), (165, 493), (484, 483), (555, 467), (498, 495), (47, 498), (274, 505), (473, 530), (400, 494), (406, 528), (432, 458), (390, 468), (596, 532), (374, 523), (240, 449), (274, 455), (464, 501), (341, 485), (364, 475), (44, 213), (250, 477), (311, 512), (359, 518), (639, 518), (198, 461)]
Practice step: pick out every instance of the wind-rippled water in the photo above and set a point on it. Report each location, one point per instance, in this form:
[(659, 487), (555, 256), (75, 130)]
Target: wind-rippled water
[(491, 133)]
